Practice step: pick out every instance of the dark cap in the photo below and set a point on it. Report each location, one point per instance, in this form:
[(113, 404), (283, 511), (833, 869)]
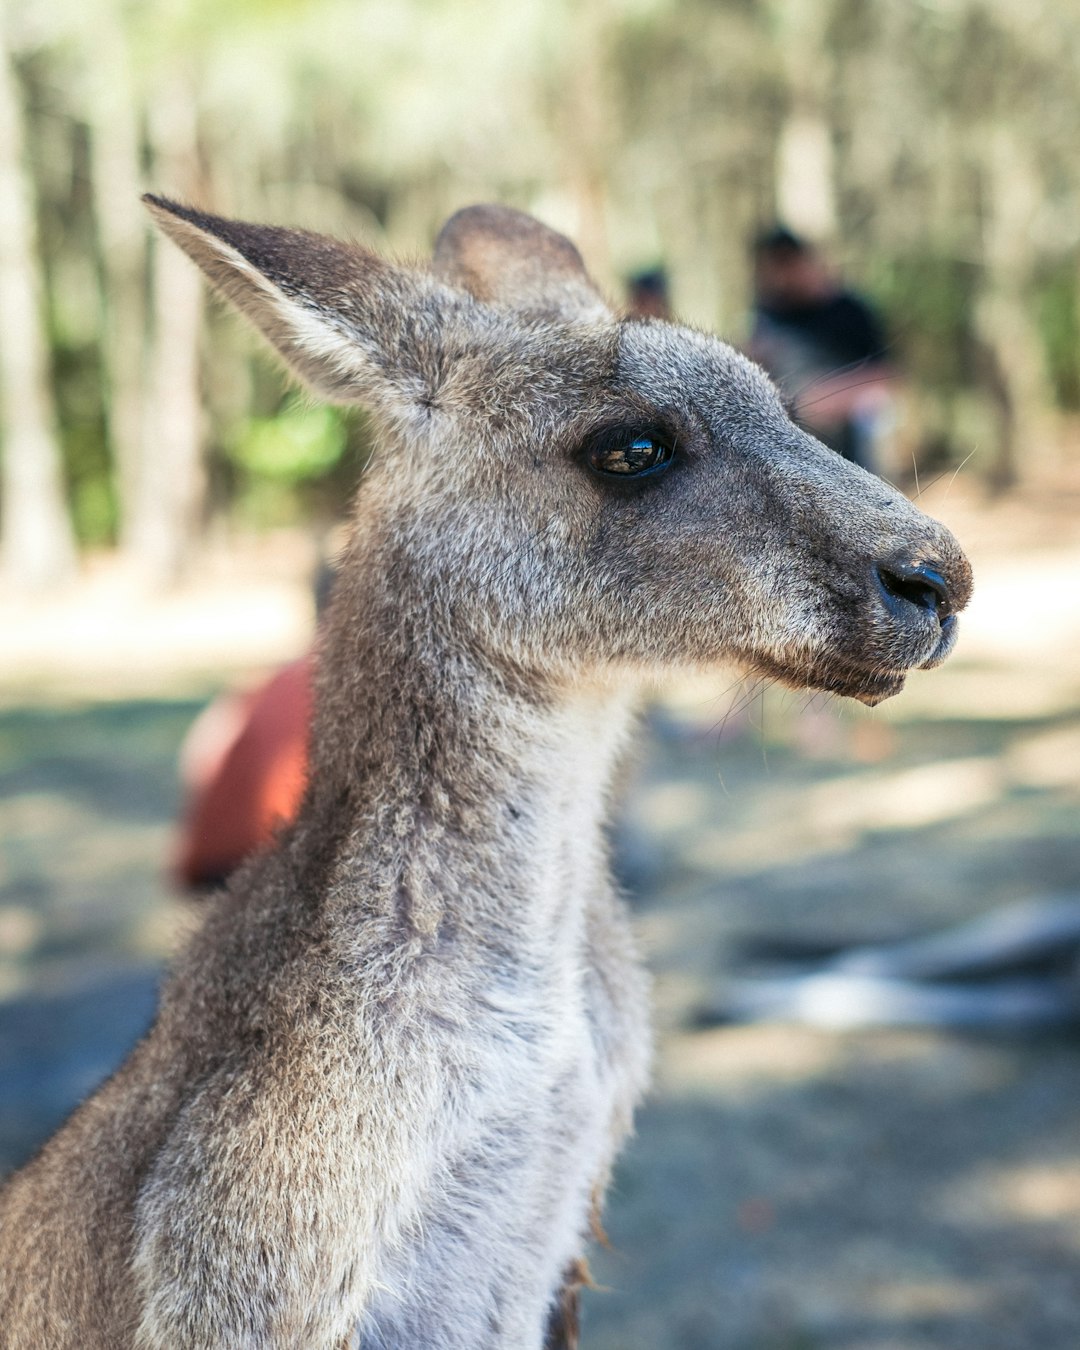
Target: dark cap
[(779, 239)]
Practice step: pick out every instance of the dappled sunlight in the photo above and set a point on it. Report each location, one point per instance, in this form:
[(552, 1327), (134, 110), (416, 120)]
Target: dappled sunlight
[(1041, 1193), (20, 930), (108, 635), (872, 1295), (904, 800), (834, 815), (85, 803), (901, 1300), (1035, 1191), (1046, 759), (67, 841), (1025, 611), (986, 693), (676, 806), (32, 819), (740, 1062), (804, 1189), (846, 793)]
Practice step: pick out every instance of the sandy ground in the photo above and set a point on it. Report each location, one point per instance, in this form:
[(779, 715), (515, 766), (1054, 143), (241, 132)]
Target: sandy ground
[(788, 1188)]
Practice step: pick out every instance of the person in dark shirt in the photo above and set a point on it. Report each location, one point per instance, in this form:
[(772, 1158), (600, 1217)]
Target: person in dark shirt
[(822, 344)]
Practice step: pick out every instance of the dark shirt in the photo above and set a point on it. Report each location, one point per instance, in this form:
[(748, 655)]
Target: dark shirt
[(840, 331)]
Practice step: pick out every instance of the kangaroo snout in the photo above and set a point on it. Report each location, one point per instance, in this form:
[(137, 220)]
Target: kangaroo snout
[(923, 590), (879, 610)]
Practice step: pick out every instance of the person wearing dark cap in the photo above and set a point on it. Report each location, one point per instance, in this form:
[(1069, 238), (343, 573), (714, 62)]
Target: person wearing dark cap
[(823, 344), (647, 294)]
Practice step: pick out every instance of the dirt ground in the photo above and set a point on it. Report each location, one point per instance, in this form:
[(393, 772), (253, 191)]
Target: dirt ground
[(788, 1188)]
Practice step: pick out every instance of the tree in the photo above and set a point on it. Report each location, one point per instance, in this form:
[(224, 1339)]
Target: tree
[(37, 547)]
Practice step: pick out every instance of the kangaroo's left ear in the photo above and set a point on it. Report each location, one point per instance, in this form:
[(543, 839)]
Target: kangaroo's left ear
[(353, 327), (510, 260)]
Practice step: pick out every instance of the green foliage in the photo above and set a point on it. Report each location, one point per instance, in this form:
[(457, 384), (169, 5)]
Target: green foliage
[(1058, 308), (298, 461), (297, 444), (84, 439), (929, 299)]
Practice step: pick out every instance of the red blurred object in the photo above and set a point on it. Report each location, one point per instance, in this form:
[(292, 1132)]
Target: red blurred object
[(244, 762)]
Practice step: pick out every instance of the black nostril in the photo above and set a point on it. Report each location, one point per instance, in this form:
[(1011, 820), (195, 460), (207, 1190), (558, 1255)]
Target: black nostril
[(920, 586)]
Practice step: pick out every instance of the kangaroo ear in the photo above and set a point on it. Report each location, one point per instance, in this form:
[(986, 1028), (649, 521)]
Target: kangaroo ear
[(353, 327), (506, 258)]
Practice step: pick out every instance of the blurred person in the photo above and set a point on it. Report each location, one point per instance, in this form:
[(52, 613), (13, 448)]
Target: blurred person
[(823, 344), (243, 765), (647, 294)]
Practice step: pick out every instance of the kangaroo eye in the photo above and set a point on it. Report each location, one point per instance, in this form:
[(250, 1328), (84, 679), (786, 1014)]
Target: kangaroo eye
[(628, 454)]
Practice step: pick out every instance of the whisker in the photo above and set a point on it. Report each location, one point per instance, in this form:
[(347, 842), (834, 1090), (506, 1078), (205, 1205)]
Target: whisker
[(855, 384), (857, 364), (718, 727), (738, 706), (955, 471), (956, 475)]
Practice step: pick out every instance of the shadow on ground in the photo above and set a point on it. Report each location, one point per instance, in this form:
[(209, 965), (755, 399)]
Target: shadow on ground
[(55, 1049), (898, 1190)]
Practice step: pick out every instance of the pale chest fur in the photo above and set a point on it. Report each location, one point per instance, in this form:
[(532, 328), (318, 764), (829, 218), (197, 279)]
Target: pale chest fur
[(503, 1201)]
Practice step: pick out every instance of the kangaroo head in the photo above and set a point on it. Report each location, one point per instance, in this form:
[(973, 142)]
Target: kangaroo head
[(582, 495)]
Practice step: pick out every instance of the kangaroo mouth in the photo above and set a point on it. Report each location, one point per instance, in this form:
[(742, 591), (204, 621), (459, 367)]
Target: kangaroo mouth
[(868, 685), (868, 681)]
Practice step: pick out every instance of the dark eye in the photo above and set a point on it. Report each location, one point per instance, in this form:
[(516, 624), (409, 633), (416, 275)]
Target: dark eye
[(627, 453)]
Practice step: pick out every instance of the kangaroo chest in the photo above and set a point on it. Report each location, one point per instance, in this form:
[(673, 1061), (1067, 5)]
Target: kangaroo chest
[(541, 1079)]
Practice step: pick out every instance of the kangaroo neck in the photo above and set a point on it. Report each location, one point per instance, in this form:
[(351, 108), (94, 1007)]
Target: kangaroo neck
[(463, 799)]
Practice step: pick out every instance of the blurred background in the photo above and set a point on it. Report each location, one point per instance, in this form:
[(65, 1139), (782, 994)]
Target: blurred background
[(840, 1179)]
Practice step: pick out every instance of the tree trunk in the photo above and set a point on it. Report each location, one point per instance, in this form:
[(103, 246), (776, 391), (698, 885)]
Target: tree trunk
[(37, 547), (171, 476), (586, 133), (1003, 314), (121, 224), (805, 168)]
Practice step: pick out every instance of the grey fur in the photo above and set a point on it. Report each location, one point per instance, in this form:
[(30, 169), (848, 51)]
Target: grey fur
[(393, 1068)]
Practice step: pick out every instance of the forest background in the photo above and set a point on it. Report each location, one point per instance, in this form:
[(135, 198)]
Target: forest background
[(929, 145)]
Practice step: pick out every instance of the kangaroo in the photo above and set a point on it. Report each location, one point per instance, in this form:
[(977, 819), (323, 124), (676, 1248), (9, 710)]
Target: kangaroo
[(390, 1073)]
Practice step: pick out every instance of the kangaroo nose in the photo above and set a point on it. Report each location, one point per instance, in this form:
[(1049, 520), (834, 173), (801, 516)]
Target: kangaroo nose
[(915, 584)]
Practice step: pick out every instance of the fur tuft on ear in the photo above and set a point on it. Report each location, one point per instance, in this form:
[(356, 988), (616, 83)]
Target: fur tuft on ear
[(354, 328), (508, 259)]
